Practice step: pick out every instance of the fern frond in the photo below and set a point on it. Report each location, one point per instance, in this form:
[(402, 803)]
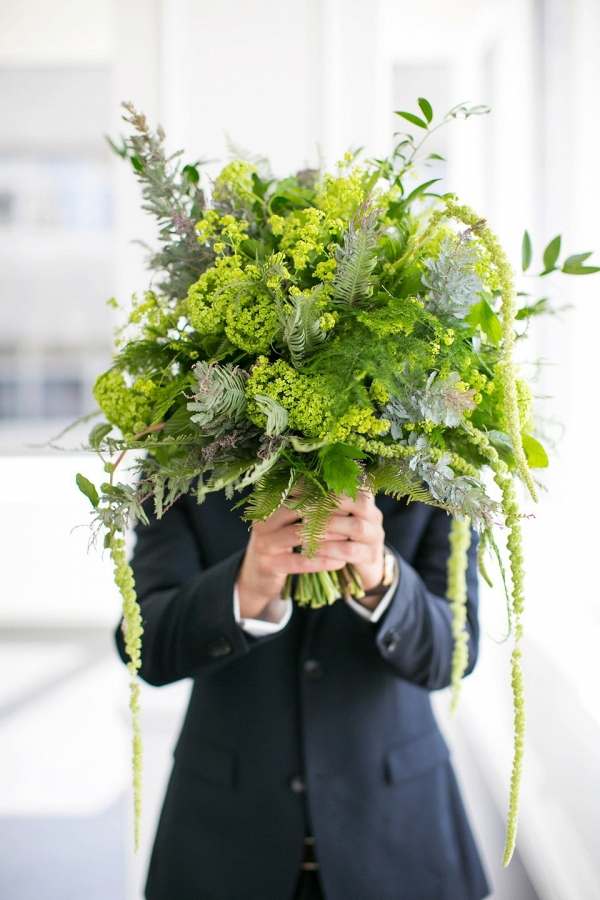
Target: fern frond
[(277, 415), (300, 326), (357, 258), (315, 505), (225, 474), (220, 400), (271, 492), (393, 477), (255, 472)]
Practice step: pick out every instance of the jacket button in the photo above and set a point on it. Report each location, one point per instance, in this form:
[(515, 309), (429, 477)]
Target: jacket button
[(297, 784), (220, 647), (313, 669), (391, 640)]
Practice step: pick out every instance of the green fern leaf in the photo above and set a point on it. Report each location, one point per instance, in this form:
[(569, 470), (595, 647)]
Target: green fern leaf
[(393, 477), (301, 329), (315, 505), (357, 258), (271, 492), (277, 415)]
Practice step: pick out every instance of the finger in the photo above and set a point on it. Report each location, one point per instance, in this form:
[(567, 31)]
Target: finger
[(350, 552), (280, 540), (363, 507), (282, 516), (354, 528), (295, 564)]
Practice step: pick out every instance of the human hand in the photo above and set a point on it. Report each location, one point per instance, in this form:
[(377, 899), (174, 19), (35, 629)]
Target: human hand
[(355, 535), (270, 558)]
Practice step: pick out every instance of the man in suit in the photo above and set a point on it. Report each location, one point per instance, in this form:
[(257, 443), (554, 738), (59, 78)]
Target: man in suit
[(309, 763)]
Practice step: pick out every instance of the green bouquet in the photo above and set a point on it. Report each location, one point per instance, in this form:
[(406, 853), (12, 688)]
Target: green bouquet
[(316, 336)]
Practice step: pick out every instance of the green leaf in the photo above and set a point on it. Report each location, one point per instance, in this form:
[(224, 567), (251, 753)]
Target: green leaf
[(551, 254), (537, 458), (483, 315), (137, 163), (574, 265), (535, 309), (414, 120), (254, 250), (526, 252), (500, 440), (577, 259), (425, 107), (418, 191), (86, 487), (180, 423), (190, 174), (98, 433), (107, 540), (340, 471), (120, 151), (437, 156)]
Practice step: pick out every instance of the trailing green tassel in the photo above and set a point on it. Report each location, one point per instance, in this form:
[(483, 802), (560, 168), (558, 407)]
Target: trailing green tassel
[(514, 542), (132, 632), (481, 565), (460, 541), (506, 367)]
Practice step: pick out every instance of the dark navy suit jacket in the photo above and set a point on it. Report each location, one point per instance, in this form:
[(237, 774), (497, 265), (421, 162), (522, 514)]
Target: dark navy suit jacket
[(324, 728)]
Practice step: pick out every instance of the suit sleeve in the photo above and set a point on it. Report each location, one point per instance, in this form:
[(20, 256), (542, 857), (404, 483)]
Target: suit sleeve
[(187, 609), (415, 636)]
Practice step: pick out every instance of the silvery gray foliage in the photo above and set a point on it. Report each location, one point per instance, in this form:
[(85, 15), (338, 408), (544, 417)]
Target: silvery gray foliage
[(453, 284), (277, 415), (220, 401), (459, 493), (440, 402)]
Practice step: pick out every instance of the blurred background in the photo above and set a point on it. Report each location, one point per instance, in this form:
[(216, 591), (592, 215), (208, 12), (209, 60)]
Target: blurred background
[(301, 81)]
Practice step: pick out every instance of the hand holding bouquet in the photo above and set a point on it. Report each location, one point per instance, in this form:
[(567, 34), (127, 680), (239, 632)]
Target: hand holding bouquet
[(306, 341)]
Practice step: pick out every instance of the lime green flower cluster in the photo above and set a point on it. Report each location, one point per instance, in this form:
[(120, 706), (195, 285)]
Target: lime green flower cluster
[(235, 302), (130, 409), (235, 180), (307, 398), (358, 420), (340, 196)]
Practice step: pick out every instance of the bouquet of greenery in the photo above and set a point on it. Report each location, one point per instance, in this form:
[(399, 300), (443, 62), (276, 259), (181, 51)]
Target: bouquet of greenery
[(317, 336)]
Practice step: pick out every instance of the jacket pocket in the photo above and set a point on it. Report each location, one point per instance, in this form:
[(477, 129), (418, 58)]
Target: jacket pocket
[(214, 764), (406, 761)]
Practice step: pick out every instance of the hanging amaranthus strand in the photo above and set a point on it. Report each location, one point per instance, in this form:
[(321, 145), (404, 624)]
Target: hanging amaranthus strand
[(132, 632), (481, 563), (460, 541), (508, 312), (515, 551)]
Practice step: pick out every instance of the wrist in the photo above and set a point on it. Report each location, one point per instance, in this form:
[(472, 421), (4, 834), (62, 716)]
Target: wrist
[(387, 572), (255, 594)]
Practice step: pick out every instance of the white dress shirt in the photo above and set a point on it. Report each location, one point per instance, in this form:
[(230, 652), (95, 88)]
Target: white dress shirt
[(270, 622)]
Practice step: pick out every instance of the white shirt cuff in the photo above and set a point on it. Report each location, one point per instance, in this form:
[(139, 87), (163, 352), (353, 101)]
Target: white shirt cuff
[(261, 627), (375, 614)]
